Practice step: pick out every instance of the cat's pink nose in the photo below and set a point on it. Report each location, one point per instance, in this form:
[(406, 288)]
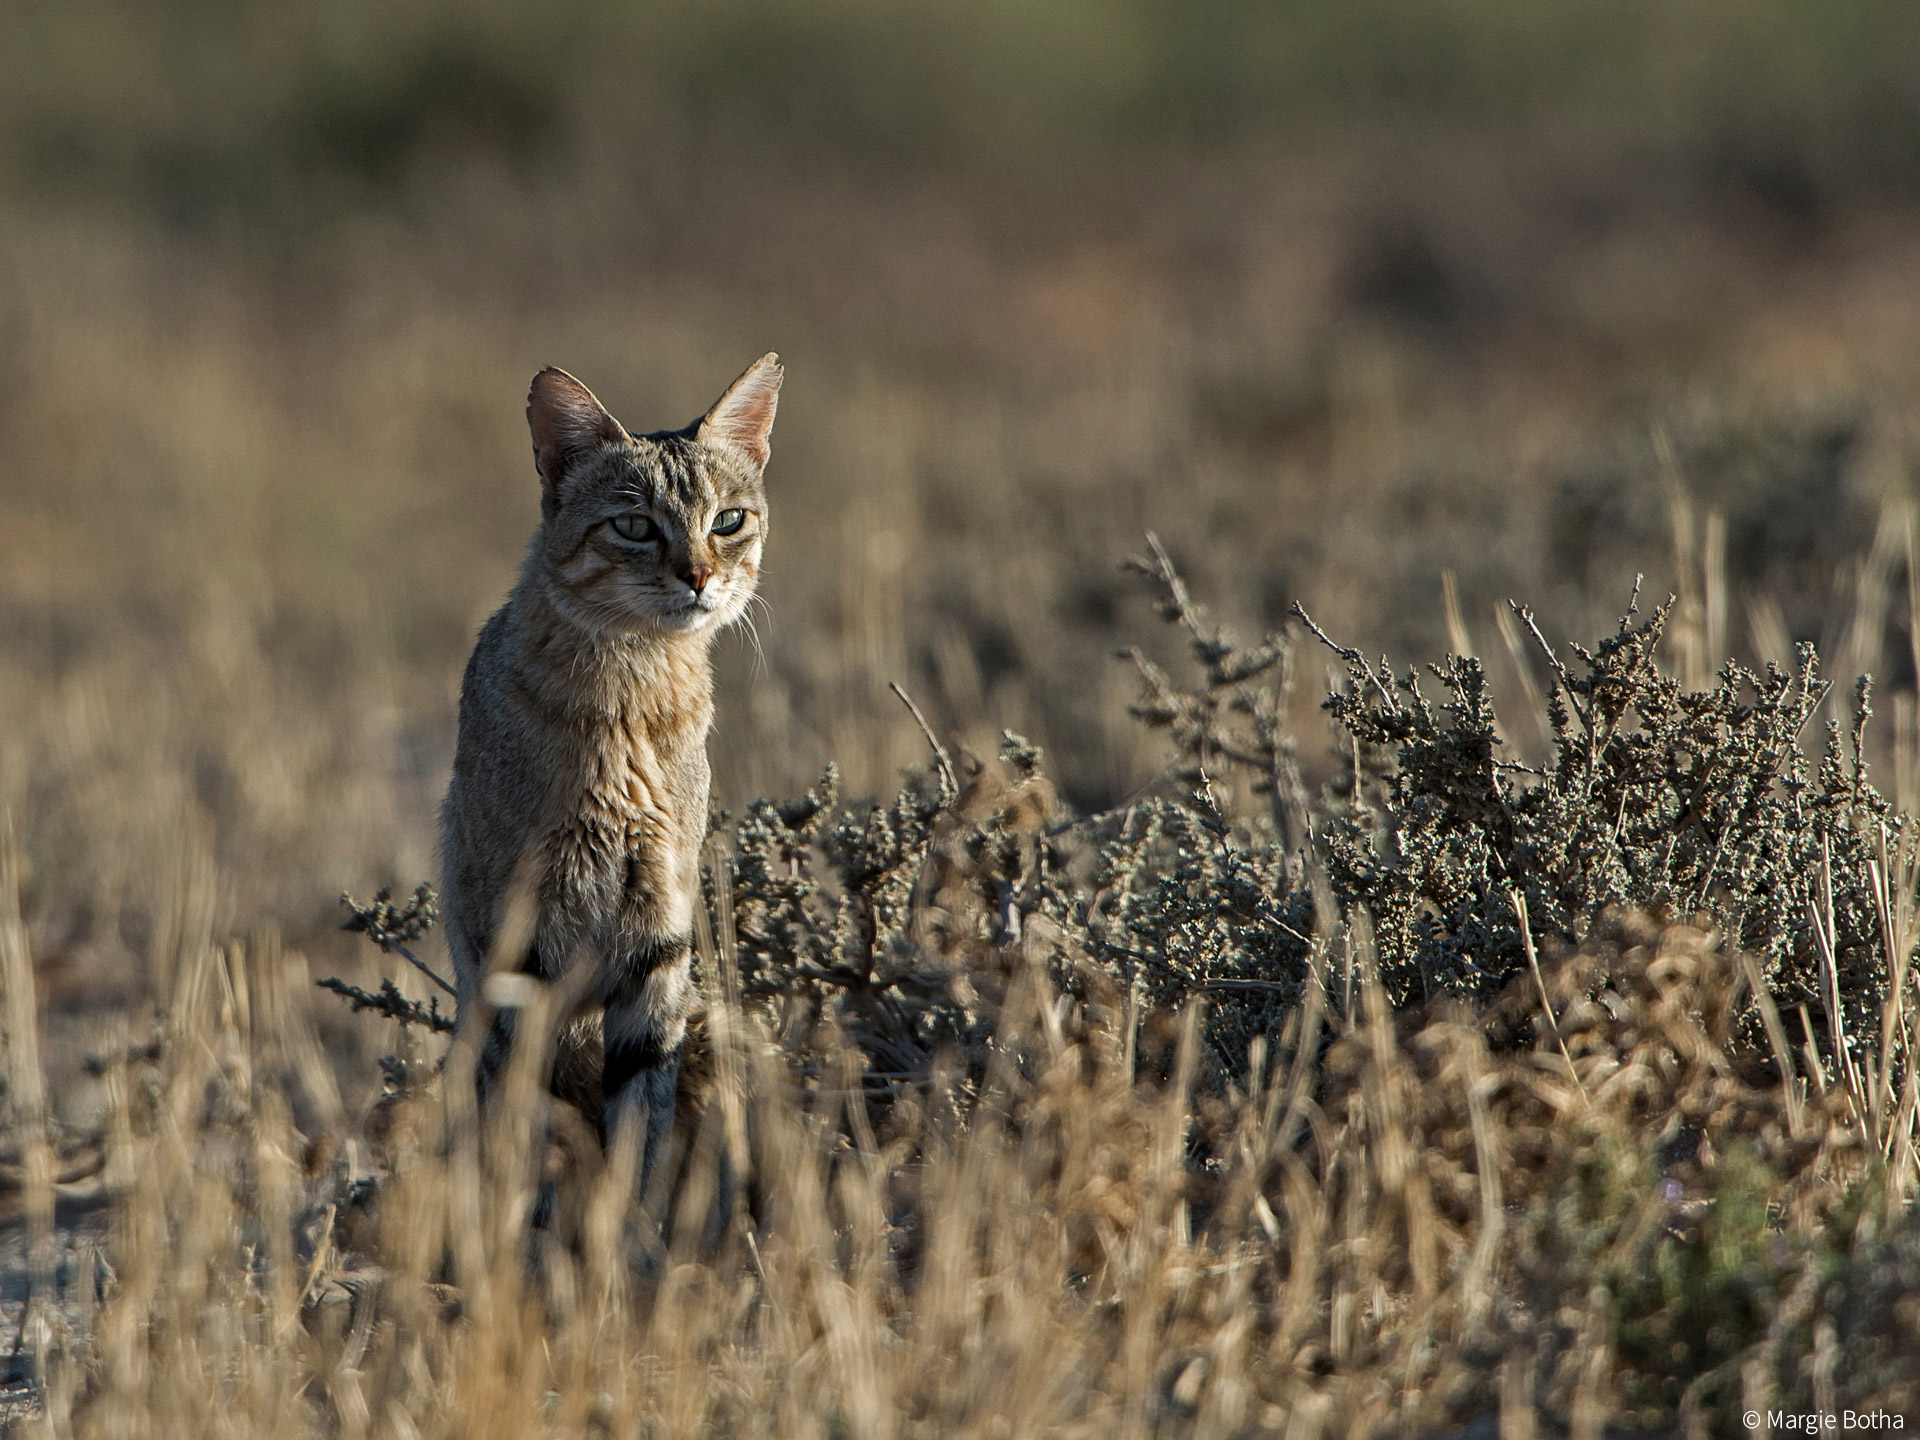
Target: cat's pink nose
[(698, 576)]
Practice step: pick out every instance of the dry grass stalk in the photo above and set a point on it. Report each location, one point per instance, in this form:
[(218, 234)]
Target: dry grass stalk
[(1066, 1246)]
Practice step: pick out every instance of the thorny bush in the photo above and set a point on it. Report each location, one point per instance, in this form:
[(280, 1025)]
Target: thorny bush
[(1700, 805)]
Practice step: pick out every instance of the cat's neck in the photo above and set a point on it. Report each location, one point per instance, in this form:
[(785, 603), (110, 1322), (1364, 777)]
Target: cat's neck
[(576, 668)]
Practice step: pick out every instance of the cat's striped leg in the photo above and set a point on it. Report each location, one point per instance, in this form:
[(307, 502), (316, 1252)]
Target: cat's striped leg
[(647, 1002)]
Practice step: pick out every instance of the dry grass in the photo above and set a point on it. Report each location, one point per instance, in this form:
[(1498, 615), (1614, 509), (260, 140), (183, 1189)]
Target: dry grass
[(1625, 1223)]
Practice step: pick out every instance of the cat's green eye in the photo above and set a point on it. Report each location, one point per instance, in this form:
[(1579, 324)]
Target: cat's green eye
[(728, 522), (633, 527)]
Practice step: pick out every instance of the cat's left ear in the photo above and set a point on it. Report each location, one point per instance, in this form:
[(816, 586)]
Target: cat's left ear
[(742, 419)]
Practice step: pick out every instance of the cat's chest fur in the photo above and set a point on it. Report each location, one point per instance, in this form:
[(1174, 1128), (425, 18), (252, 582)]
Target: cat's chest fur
[(581, 774), (625, 806)]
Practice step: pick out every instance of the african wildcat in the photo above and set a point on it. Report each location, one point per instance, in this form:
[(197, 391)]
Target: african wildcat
[(581, 771)]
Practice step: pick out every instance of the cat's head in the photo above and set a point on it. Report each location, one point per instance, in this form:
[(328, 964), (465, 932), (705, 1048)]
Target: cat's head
[(652, 533)]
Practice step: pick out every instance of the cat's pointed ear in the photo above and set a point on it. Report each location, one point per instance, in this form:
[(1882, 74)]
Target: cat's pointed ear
[(566, 419), (742, 419)]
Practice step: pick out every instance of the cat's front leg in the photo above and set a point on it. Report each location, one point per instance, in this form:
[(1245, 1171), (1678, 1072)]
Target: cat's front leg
[(647, 1001)]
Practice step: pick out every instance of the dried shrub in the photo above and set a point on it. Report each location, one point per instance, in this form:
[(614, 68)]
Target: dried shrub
[(1680, 803)]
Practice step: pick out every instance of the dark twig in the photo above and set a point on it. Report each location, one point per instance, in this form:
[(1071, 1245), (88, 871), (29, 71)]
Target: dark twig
[(1181, 604), (1347, 653), (1553, 661), (392, 1004), (390, 926), (1561, 674), (947, 781)]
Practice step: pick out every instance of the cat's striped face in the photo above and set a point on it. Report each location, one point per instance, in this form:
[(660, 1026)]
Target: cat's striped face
[(656, 533)]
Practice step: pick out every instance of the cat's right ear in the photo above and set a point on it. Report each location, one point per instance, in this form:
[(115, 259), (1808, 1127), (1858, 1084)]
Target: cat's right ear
[(742, 419), (566, 420)]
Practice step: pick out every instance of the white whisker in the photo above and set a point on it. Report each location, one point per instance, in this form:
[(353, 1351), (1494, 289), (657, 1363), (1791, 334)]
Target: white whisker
[(753, 630), (759, 652)]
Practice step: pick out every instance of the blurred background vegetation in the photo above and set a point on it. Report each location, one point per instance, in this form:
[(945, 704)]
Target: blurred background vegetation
[(1338, 298)]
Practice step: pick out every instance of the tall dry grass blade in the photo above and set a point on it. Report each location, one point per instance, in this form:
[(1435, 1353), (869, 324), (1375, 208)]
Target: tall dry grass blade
[(1470, 1064), (1159, 1239), (1820, 909), (1903, 1163), (189, 912), (459, 1142), (1533, 705), (1594, 1357), (1519, 902), (1897, 878), (1686, 631), (1767, 632), (1713, 587), (1304, 1067), (1891, 1013), (718, 947), (41, 1334), (1777, 1041), (516, 1110), (1394, 1148), (1130, 1046), (1860, 650), (1811, 1050), (1906, 753), (1457, 636), (1518, 1420), (287, 1046), (1911, 545), (275, 1172), (1347, 946)]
